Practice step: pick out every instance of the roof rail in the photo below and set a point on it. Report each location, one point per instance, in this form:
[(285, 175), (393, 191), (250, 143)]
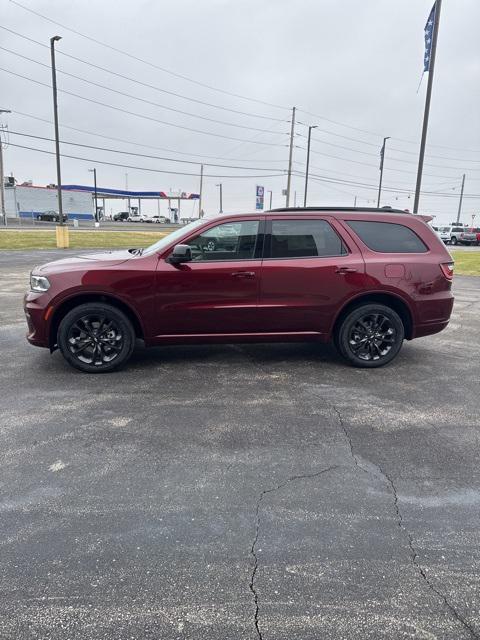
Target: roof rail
[(370, 209)]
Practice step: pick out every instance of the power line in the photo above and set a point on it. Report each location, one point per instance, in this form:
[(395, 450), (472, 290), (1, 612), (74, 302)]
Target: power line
[(391, 189), (130, 80), (133, 113), (378, 135), (143, 155), (133, 97), (127, 166), (145, 84), (367, 164), (147, 62), (138, 144)]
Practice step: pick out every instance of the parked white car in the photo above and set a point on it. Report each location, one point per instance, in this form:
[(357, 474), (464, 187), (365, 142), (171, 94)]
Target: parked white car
[(135, 217)]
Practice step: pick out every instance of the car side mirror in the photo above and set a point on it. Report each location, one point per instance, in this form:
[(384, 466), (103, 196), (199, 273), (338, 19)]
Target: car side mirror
[(181, 253)]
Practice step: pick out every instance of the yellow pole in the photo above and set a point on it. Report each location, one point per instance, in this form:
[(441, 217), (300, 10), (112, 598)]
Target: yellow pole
[(63, 241)]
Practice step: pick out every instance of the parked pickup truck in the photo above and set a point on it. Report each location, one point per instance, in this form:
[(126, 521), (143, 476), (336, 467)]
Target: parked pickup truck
[(457, 235)]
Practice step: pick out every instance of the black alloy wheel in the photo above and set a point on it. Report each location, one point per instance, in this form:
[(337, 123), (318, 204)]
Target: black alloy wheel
[(370, 336), (96, 338)]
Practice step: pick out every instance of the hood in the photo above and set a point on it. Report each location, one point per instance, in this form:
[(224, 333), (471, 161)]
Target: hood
[(97, 260)]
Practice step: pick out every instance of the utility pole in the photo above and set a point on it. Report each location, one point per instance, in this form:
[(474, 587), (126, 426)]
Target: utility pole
[(430, 67), (94, 171), (461, 200), (382, 158), (355, 202), (221, 197), (290, 157), (308, 163), (3, 210), (270, 206), (200, 194), (62, 242)]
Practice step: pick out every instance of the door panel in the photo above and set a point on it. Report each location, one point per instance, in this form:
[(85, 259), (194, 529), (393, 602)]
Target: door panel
[(300, 293), (214, 297), (217, 292)]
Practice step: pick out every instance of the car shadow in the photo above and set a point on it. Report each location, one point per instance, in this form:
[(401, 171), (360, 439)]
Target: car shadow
[(258, 354)]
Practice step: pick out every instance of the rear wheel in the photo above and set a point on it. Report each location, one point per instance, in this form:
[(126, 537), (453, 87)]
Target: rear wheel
[(370, 336), (453, 240), (96, 338)]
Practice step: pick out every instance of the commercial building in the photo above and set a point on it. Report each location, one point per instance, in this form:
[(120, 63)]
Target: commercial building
[(28, 201)]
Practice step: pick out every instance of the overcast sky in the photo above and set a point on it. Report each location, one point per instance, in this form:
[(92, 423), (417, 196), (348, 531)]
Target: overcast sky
[(353, 65)]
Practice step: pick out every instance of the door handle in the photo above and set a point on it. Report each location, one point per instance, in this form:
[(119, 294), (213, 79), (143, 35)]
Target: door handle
[(243, 274), (344, 270)]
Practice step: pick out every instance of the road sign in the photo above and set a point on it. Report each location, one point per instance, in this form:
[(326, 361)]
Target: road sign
[(260, 195)]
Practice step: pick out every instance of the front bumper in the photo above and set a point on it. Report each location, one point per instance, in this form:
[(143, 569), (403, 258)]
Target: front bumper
[(36, 307)]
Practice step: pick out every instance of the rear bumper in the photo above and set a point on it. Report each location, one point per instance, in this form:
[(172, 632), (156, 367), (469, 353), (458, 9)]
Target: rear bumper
[(434, 316)]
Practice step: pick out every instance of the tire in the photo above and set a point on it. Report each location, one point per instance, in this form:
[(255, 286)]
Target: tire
[(39, 217), (90, 348), (358, 328), (453, 240)]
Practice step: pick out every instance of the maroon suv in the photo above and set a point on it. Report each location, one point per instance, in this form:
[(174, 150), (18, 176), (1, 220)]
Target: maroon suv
[(366, 279)]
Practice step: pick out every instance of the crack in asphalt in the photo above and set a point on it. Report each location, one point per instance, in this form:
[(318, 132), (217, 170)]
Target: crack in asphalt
[(416, 563), (405, 532), (257, 533)]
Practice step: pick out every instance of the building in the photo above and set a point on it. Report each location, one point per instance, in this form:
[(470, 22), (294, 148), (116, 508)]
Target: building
[(28, 201)]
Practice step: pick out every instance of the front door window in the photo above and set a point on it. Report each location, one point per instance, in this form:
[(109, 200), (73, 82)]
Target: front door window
[(228, 241)]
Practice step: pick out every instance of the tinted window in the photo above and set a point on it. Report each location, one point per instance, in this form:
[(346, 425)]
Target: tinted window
[(387, 237), (303, 239), (228, 241)]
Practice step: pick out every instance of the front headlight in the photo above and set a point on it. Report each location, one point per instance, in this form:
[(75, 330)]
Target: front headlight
[(39, 283)]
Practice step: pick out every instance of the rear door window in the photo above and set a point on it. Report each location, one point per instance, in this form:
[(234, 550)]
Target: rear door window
[(387, 237), (304, 239)]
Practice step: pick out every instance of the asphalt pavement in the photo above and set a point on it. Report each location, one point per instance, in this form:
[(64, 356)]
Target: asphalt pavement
[(240, 492)]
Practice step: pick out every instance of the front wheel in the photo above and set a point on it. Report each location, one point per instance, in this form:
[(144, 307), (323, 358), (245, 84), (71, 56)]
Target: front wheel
[(453, 240), (370, 336), (96, 338)]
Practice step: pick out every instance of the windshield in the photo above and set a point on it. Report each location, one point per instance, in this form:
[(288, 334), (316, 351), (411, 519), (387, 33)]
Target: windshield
[(171, 237)]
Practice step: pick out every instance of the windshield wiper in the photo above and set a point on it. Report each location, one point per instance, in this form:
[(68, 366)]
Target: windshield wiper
[(136, 252)]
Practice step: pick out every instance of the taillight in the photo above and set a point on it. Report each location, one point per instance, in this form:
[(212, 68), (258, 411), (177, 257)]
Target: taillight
[(447, 269)]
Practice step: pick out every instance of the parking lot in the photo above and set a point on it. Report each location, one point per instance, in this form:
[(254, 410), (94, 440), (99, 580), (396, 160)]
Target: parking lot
[(240, 491)]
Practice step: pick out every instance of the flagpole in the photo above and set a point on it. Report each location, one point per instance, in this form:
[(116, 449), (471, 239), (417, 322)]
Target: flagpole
[(431, 70)]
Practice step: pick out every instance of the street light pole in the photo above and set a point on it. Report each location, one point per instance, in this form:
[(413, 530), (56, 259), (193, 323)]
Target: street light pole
[(57, 137), (290, 158), (94, 171), (221, 196), (3, 210), (382, 158), (270, 192), (201, 193), (308, 163), (461, 199)]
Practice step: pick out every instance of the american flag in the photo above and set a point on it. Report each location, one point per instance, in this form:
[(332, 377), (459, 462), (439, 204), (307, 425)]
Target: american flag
[(429, 38)]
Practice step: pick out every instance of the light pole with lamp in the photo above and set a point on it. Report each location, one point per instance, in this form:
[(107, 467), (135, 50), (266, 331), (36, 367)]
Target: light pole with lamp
[(220, 186), (308, 163)]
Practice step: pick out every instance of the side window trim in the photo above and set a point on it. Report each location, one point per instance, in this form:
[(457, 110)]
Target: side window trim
[(267, 254)]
